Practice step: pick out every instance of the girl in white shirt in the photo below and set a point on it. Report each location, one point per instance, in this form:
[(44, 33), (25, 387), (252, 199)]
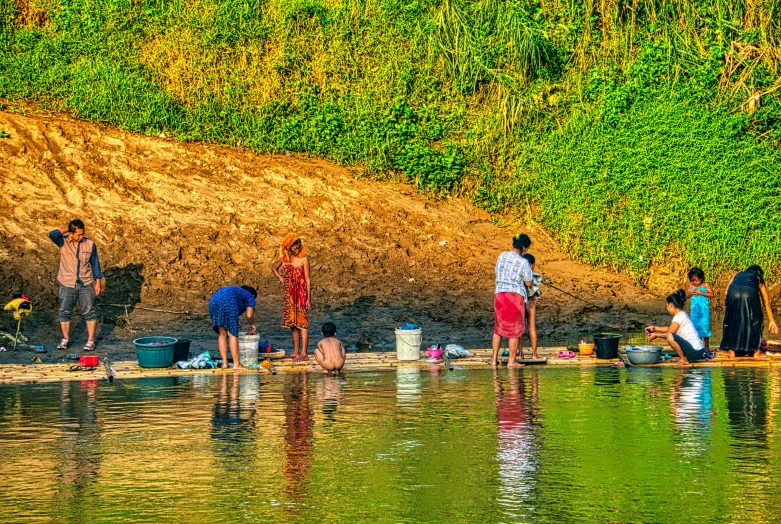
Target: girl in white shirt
[(681, 333)]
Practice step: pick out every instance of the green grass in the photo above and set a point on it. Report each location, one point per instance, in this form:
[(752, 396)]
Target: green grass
[(628, 130)]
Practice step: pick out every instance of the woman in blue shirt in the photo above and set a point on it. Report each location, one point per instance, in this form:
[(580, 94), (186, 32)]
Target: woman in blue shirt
[(225, 308)]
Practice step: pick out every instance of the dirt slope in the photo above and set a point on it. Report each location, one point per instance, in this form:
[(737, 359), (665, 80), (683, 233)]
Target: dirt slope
[(175, 221)]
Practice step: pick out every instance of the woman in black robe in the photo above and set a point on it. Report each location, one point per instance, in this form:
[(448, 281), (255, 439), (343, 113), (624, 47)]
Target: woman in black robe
[(743, 322)]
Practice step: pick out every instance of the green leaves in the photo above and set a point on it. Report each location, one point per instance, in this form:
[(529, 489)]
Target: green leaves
[(667, 180), (632, 133)]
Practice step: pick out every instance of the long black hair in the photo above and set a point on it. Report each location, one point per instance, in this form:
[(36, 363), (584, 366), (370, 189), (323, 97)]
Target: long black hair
[(677, 299), (757, 270)]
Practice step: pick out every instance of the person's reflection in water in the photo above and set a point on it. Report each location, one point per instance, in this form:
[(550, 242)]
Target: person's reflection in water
[(80, 441), (233, 424), (517, 456), (746, 392), (691, 401), (298, 435), (747, 409), (330, 394)]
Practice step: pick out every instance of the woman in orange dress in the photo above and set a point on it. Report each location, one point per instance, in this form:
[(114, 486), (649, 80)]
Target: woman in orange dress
[(298, 292)]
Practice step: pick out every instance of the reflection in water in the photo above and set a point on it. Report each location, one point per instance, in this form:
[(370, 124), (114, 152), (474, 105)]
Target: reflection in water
[(608, 376), (747, 412), (463, 446), (80, 429), (691, 401), (330, 393), (298, 435), (651, 377), (746, 392), (517, 456), (233, 420), (408, 387)]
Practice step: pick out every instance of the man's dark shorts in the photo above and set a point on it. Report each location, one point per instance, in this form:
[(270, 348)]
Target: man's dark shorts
[(84, 295)]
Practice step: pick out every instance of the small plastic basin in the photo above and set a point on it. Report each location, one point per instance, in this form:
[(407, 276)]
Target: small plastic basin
[(155, 352), (434, 352), (639, 355), (89, 361), (586, 349)]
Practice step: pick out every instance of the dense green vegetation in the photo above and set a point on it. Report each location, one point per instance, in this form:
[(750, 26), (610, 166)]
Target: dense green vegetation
[(635, 131)]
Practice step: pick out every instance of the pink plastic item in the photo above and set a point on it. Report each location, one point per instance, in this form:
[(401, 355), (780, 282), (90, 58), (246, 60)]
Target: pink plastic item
[(434, 352)]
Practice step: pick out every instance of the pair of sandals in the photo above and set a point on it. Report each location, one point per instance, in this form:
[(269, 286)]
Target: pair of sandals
[(77, 367), (65, 343), (566, 355)]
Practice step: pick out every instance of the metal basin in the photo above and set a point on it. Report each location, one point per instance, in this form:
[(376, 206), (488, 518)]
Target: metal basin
[(639, 355)]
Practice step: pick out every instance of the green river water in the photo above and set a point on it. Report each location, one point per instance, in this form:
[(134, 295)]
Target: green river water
[(409, 445)]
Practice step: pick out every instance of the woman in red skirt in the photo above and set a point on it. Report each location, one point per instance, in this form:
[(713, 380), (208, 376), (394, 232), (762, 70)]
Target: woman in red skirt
[(513, 274), (294, 264)]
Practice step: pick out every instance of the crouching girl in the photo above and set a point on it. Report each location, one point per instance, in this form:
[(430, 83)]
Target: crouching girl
[(681, 334)]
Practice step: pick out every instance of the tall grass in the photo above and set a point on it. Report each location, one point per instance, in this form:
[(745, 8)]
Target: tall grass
[(636, 130)]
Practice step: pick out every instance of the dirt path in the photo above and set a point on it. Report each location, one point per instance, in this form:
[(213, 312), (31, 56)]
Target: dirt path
[(175, 221)]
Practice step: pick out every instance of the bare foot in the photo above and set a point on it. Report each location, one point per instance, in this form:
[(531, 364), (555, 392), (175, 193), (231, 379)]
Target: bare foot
[(514, 365), (295, 357), (494, 364), (731, 353), (303, 358), (224, 366), (534, 355), (239, 366), (758, 354)]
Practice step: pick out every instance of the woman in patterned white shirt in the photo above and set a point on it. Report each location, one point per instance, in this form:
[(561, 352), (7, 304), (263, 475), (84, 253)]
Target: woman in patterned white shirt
[(513, 275)]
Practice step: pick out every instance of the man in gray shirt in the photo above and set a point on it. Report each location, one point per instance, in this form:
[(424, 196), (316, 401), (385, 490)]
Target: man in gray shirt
[(80, 280)]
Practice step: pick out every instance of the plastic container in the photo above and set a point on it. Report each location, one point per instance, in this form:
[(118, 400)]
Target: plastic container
[(586, 349), (248, 348), (606, 345), (182, 350), (639, 355), (434, 352), (155, 352), (408, 343), (89, 361)]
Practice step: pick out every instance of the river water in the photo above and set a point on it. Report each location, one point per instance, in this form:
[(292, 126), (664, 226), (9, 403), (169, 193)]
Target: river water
[(409, 445)]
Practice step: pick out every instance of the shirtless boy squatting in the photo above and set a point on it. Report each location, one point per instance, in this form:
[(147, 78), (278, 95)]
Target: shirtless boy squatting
[(330, 351)]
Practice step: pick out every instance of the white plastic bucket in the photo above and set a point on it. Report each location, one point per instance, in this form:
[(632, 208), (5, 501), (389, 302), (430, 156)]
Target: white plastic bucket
[(408, 343), (248, 348)]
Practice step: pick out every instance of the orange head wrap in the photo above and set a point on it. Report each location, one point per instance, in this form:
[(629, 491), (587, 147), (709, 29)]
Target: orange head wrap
[(284, 248)]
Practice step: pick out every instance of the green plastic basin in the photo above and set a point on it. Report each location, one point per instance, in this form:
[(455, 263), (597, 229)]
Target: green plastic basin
[(155, 352)]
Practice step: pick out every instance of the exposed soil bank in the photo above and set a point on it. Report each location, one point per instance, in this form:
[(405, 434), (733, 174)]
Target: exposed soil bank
[(176, 221)]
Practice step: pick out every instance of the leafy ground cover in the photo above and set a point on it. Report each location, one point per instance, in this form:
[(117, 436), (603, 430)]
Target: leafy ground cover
[(634, 131)]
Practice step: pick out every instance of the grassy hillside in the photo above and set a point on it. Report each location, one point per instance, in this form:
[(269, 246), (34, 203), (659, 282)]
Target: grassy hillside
[(634, 131)]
